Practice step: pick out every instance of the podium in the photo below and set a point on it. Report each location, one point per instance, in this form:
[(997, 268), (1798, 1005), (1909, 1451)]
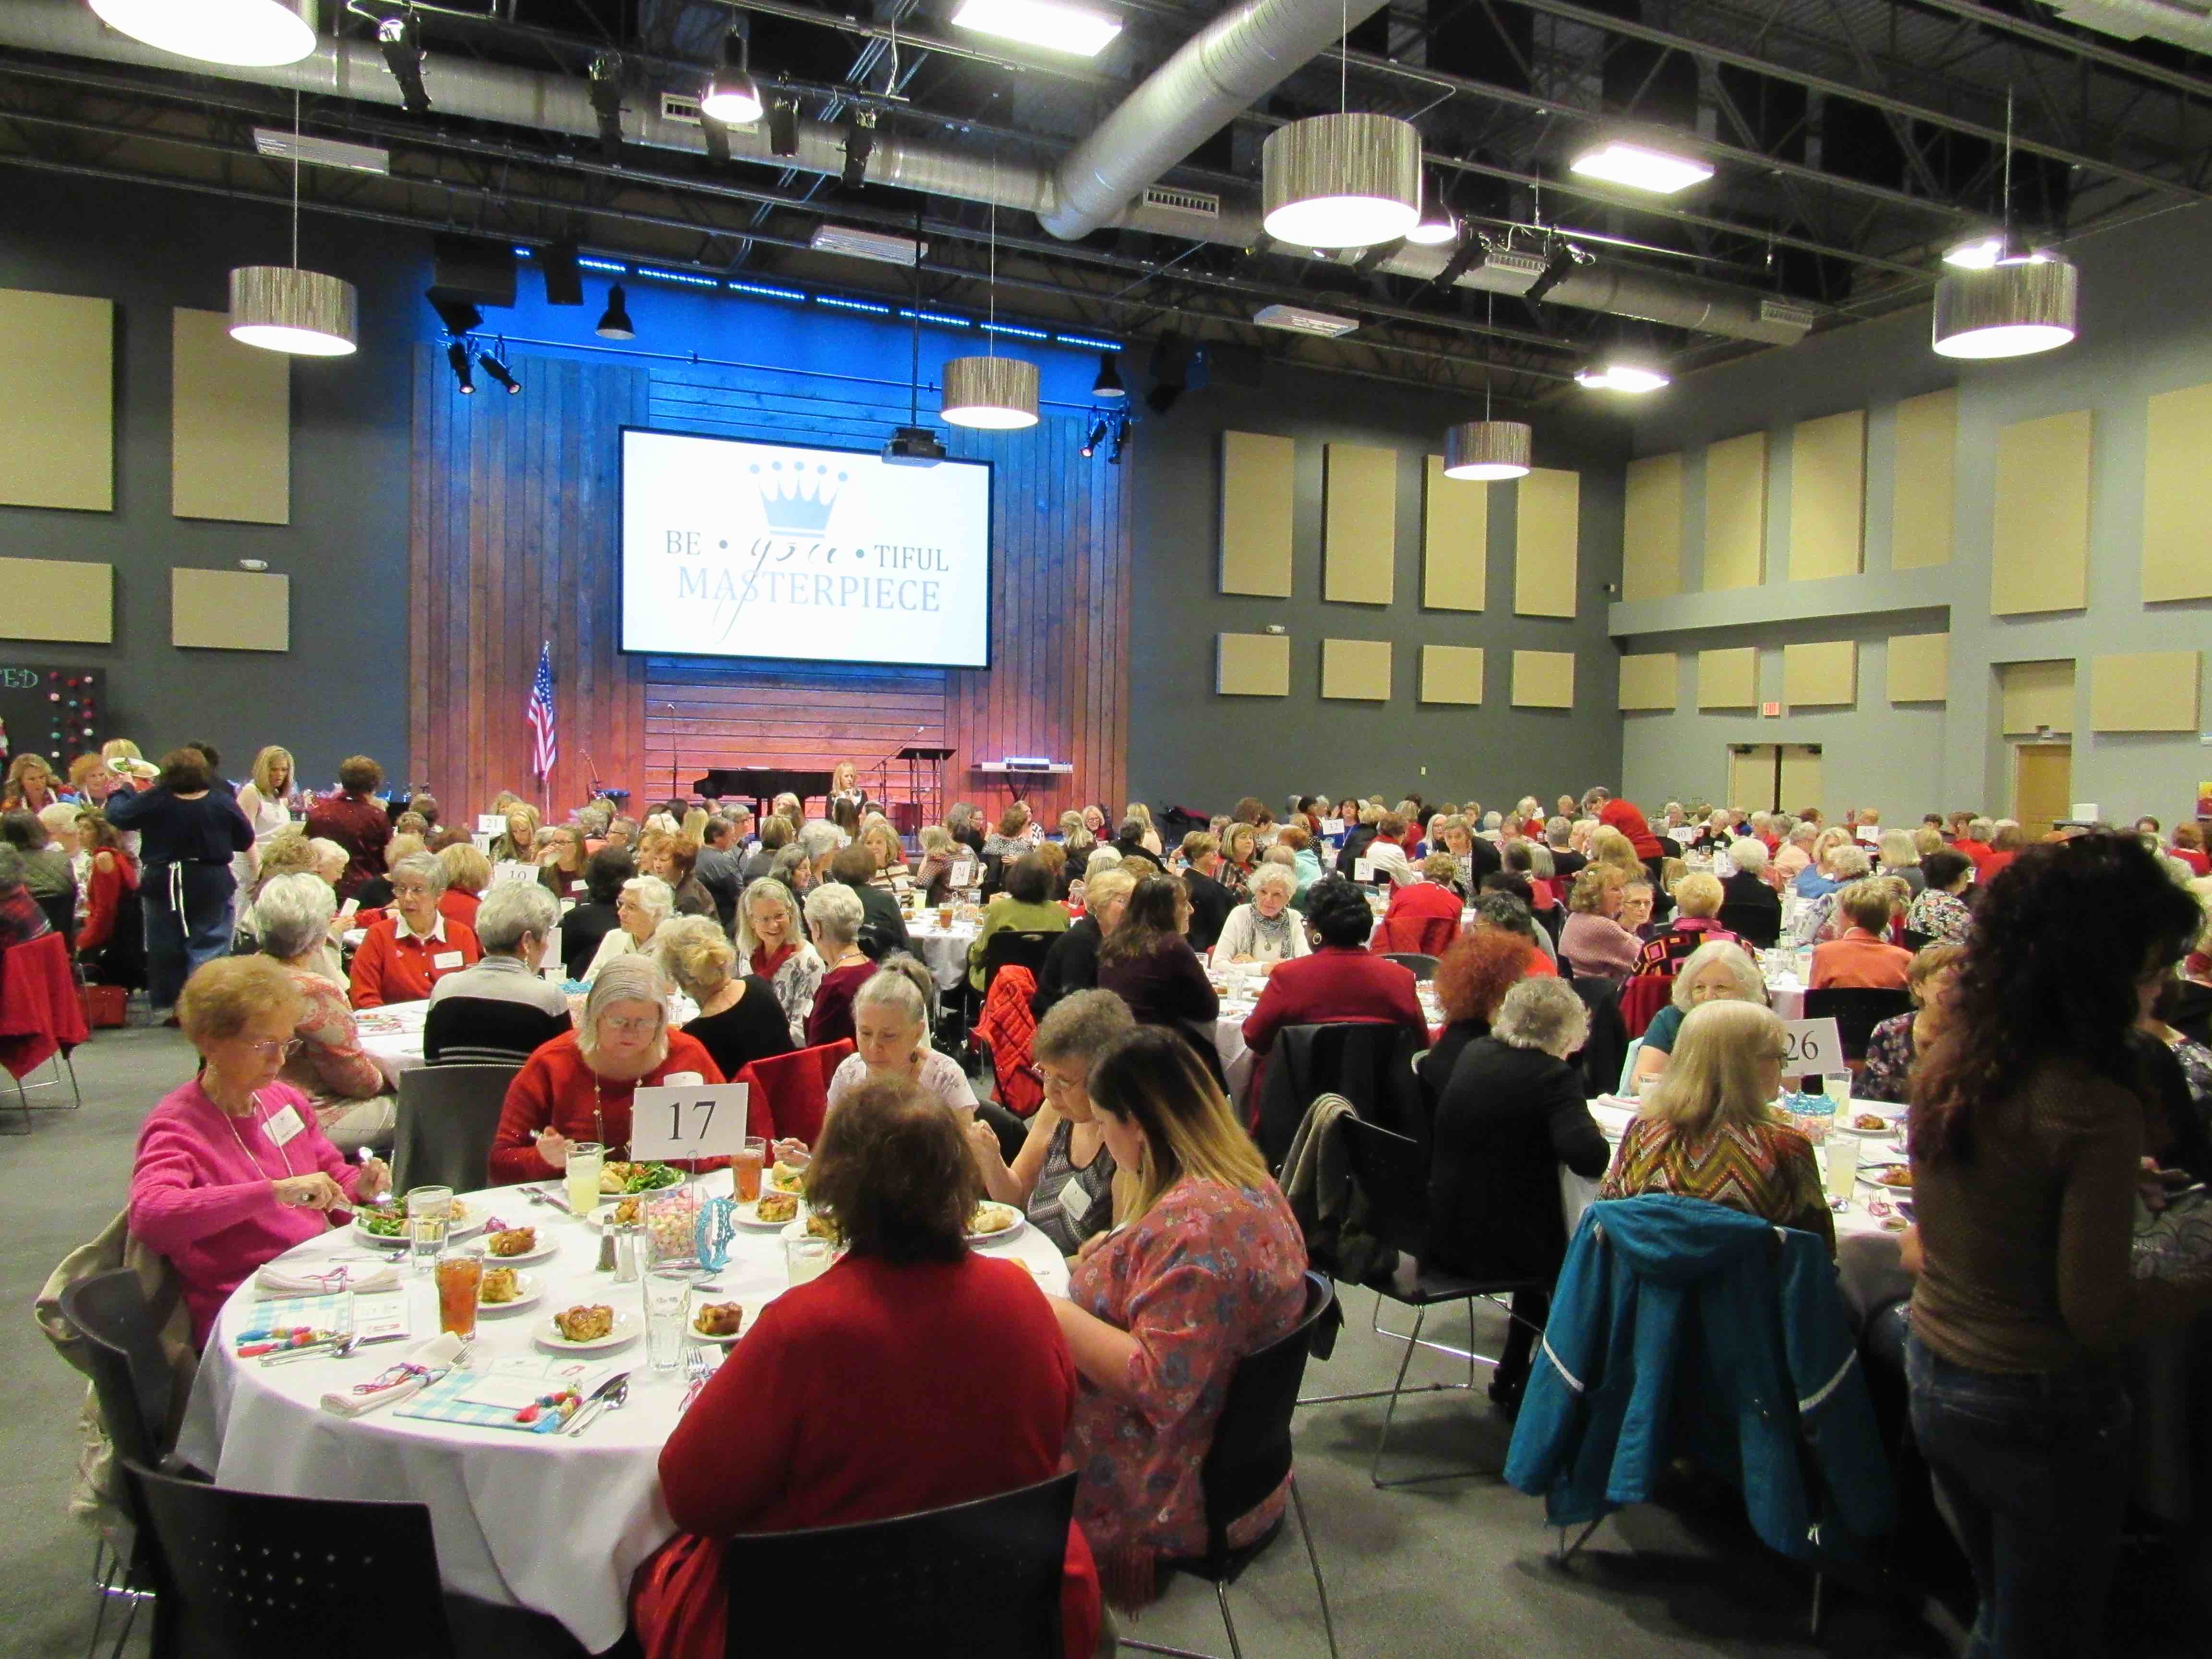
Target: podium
[(907, 816)]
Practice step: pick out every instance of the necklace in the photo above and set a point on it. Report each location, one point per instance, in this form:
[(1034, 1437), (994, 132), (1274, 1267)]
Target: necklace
[(256, 1158)]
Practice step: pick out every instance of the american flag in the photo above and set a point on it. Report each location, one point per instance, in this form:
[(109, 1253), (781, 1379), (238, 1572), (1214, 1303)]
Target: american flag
[(541, 713)]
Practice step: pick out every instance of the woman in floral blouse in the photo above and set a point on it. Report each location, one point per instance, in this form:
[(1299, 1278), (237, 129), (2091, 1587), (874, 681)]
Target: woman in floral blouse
[(292, 918), (1898, 1042), (1207, 1267), (1939, 910)]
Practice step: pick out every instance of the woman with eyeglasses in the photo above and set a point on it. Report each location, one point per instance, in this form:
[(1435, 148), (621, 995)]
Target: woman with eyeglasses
[(353, 1106), (232, 1170)]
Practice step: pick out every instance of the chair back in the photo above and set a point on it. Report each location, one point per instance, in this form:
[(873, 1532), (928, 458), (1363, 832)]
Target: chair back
[(446, 1118), (1250, 1452), (1856, 1011), (1914, 939), (1393, 1175), (791, 1092), (248, 1576), (1641, 998), (131, 1377), (1423, 967), (1008, 949), (1606, 1045), (1368, 1062), (1759, 924), (979, 1577), (40, 1013)]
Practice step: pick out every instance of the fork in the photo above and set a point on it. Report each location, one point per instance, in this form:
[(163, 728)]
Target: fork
[(697, 1368)]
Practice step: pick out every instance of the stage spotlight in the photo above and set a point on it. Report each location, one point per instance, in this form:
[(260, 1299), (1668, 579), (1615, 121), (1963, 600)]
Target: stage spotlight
[(1097, 435), (498, 371), (783, 127), (607, 104), (457, 355), (1120, 441), (614, 322), (400, 37), (1556, 270), (1108, 383)]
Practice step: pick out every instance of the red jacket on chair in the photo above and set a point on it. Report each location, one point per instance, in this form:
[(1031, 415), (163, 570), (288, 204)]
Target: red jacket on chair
[(791, 1092), (1008, 1025)]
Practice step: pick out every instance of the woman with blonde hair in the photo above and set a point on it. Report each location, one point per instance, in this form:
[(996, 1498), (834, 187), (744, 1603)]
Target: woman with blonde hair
[(468, 873), (518, 842), (1900, 857), (1707, 1129), (892, 873), (1594, 943), (739, 1020), (267, 801), (1899, 1041), (1151, 838), (32, 785)]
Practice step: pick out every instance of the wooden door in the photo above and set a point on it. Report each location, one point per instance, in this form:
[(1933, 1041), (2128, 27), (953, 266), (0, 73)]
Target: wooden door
[(1800, 778), (2043, 786), (1751, 777)]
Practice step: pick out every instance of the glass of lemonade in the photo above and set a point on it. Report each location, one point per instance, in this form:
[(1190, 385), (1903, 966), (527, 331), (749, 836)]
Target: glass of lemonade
[(1842, 1154), (580, 1181), (807, 1259)]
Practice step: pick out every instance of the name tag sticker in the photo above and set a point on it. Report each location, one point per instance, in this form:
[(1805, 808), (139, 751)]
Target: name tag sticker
[(1075, 1201), (447, 959), (282, 1126)]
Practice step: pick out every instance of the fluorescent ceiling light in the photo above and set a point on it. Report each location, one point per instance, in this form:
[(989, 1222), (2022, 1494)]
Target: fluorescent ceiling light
[(326, 152), (1076, 30), (1620, 377), (1638, 167), (1296, 319), (868, 245), (254, 34)]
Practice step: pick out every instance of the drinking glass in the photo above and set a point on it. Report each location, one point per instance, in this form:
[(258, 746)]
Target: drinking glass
[(667, 1305), (1837, 1086), (580, 1181), (805, 1259), (428, 1211), (1843, 1164), (461, 1277), (751, 1159)]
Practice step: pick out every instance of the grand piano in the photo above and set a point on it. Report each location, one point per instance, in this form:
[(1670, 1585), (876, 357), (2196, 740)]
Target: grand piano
[(761, 785)]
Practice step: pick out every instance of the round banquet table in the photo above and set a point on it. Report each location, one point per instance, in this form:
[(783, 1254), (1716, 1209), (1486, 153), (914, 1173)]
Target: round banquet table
[(943, 951), (1238, 1062), (537, 1521), (392, 1036)]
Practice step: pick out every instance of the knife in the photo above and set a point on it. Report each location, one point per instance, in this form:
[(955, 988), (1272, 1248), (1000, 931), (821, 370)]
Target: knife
[(591, 1408)]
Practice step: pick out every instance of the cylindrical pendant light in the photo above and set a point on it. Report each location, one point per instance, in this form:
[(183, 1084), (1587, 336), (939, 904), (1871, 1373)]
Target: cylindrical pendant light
[(254, 34), (2005, 310), (997, 394), (283, 308), (1488, 449), (1338, 181)]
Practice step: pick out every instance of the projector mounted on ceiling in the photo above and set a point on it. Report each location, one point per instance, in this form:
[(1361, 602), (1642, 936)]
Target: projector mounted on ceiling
[(321, 152), (1296, 319), (868, 245), (913, 445)]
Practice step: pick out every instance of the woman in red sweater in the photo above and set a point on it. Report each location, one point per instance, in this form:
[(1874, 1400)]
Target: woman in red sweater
[(114, 874), (1340, 980), (833, 1407), (578, 1086)]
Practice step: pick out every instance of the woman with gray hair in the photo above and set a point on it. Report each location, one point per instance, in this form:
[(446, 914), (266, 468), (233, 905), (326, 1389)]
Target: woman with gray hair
[(1265, 929), (1721, 971), (1063, 1177), (415, 944), (834, 915), (772, 945), (325, 1061), (646, 902), (500, 1011), (890, 1040), (579, 1086), (1511, 1115)]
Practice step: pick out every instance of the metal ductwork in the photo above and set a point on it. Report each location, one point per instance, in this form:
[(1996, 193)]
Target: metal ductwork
[(2131, 20), (1106, 180), (1206, 83)]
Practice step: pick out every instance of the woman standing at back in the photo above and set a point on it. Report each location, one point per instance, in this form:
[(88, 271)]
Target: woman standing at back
[(2028, 1141)]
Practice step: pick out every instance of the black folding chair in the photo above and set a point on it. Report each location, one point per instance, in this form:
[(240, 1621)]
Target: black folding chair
[(1392, 1174), (980, 1577), (1250, 1456), (1368, 1062), (1009, 948), (446, 1118), (1423, 967), (243, 1575), (1856, 1012)]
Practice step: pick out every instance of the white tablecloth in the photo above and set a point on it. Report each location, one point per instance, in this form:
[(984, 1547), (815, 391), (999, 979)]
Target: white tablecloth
[(1238, 1062), (392, 1035), (540, 1521), (943, 951)]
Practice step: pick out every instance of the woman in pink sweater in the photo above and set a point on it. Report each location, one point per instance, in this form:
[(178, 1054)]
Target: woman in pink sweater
[(232, 1171)]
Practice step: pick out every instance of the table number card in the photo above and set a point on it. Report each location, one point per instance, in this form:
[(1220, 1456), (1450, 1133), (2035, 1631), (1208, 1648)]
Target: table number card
[(491, 824), (705, 1120), (1813, 1047)]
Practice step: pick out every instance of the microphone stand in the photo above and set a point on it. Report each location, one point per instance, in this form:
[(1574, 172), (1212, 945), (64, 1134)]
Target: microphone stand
[(675, 755)]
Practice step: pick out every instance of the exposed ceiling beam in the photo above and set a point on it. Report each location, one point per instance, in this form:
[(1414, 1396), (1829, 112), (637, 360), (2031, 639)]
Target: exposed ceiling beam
[(2071, 45)]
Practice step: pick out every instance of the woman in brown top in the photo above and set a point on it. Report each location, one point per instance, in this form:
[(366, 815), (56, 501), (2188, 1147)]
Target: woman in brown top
[(2028, 1141)]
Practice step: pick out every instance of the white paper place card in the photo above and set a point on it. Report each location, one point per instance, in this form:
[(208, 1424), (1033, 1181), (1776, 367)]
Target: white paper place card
[(511, 1384), (1363, 869), (1812, 1046), (380, 1315), (491, 824), (705, 1120), (513, 872)]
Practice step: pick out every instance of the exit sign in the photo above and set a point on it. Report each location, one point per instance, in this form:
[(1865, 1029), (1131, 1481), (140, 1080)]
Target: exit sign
[(1771, 711)]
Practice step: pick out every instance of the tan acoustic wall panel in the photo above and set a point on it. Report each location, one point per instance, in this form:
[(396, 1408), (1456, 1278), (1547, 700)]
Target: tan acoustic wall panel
[(1356, 670), (2177, 548), (57, 599), (2032, 696), (58, 414), (1735, 513), (230, 610), (1728, 679), (2144, 691), (2039, 540), (1543, 679), (1451, 673), (1252, 665), (1919, 668), (1827, 497), (1455, 540), (230, 425), (1821, 675), (1545, 539), (1922, 488), (1359, 527), (1257, 486), (1647, 681), (1651, 539)]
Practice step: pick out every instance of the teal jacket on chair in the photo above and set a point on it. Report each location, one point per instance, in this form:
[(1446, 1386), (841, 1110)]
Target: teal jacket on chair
[(1683, 1327)]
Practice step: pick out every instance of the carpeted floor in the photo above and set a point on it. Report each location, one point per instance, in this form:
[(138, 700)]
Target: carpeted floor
[(1460, 1567)]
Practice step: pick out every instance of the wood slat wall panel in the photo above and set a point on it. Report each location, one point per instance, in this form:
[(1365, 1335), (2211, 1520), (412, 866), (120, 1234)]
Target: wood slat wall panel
[(512, 536)]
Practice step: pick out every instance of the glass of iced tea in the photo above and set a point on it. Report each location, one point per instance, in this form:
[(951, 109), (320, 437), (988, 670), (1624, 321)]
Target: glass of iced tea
[(751, 1159), (943, 917), (461, 1276)]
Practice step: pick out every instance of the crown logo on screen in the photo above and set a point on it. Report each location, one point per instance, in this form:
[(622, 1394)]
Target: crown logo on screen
[(795, 500)]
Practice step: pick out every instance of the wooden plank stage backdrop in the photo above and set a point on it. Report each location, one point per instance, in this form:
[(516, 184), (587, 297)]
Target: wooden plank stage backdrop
[(513, 540)]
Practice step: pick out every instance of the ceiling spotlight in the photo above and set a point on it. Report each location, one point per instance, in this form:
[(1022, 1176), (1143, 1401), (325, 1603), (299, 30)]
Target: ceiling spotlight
[(400, 39), (457, 355), (1076, 30), (1096, 437), (2008, 310), (732, 97), (614, 321), (783, 127), (1615, 375), (1438, 226), (1564, 257), (498, 371), (1120, 441), (1639, 167), (1342, 181), (256, 34), (607, 103), (1108, 383)]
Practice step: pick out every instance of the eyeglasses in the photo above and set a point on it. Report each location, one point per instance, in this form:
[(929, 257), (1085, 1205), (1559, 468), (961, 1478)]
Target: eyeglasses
[(631, 1025), (413, 889), (267, 1049)]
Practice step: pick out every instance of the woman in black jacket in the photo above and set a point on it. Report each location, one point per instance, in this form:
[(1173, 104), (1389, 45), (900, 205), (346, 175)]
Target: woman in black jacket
[(1510, 1115), (583, 927), (1071, 964)]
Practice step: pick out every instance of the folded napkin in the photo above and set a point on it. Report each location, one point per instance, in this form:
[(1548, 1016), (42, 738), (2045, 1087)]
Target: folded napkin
[(429, 1361), (273, 1281)]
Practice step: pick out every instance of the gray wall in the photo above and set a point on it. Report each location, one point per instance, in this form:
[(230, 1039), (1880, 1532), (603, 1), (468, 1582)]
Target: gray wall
[(2145, 289), (1189, 746), (342, 688)]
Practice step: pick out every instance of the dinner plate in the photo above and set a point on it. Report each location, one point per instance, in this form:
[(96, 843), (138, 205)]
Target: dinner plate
[(768, 1176), (692, 1330), (747, 1217), (797, 1230), (1866, 1180), (627, 1327), (546, 1245), (528, 1289), (468, 1229), (1019, 1222)]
